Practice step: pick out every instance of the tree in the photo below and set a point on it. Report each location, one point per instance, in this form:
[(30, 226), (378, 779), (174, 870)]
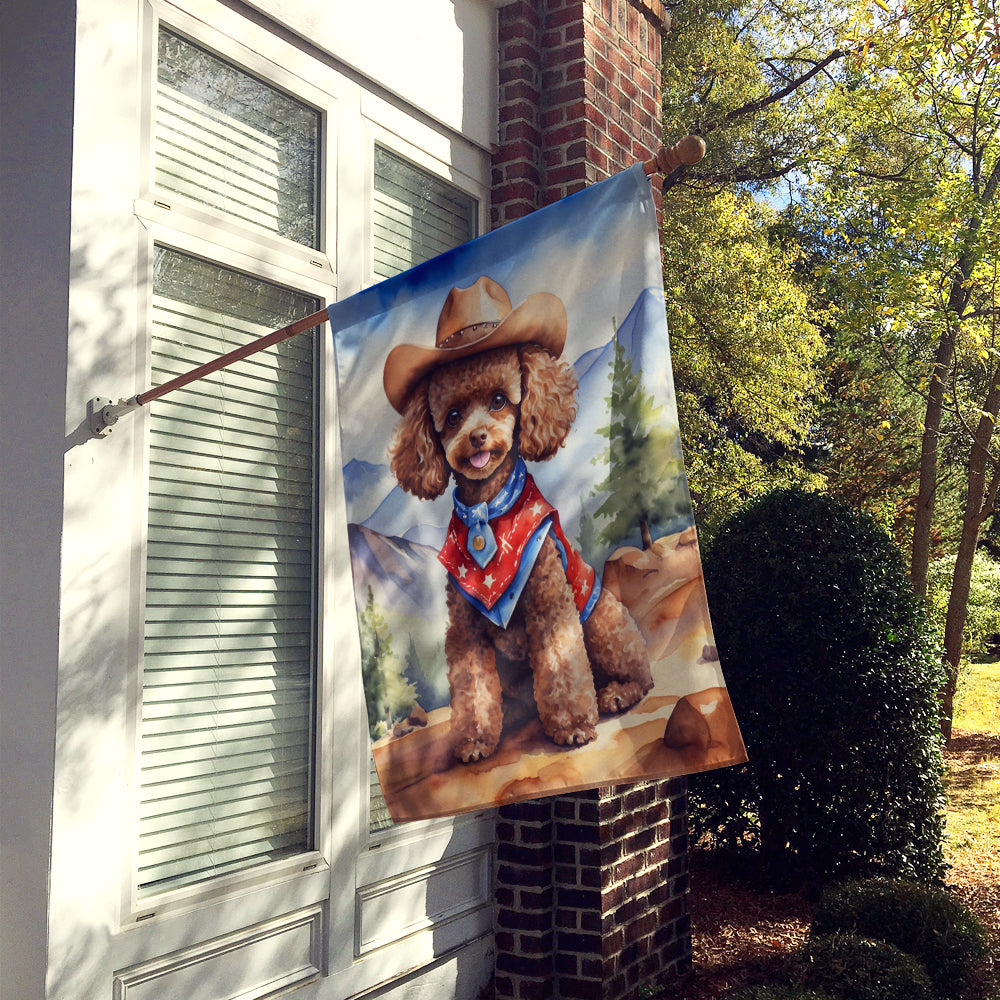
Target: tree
[(388, 692), (745, 76), (915, 188), (879, 124), (645, 469), (747, 353), (747, 356)]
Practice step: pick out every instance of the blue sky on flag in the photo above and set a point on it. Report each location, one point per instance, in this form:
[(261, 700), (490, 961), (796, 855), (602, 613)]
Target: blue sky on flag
[(562, 249)]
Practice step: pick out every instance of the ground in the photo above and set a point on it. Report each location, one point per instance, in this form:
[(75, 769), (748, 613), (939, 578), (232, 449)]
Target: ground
[(741, 935)]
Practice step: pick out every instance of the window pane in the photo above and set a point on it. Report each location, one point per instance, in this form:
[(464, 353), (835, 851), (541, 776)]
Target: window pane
[(228, 679), (416, 216), (228, 140)]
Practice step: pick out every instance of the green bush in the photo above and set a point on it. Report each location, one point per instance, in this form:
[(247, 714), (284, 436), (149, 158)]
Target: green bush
[(925, 922), (856, 968), (834, 673), (782, 993), (982, 619)]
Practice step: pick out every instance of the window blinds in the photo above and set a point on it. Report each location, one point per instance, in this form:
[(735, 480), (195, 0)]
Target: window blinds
[(227, 681), (415, 216), (225, 139)]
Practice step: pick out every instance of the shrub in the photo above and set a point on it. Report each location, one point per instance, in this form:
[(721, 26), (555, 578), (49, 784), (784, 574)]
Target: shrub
[(834, 674), (856, 968), (925, 922), (982, 619), (782, 993)]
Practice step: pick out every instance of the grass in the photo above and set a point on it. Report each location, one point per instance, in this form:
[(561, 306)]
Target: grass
[(973, 784), (978, 697), (973, 810)]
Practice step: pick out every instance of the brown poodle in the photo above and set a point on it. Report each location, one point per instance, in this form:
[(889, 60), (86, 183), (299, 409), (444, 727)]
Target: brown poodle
[(491, 394)]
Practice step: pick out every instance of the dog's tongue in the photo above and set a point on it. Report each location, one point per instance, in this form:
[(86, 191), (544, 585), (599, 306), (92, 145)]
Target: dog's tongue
[(480, 459)]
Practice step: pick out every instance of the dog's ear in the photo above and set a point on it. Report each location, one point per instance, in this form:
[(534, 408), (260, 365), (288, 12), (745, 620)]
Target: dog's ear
[(548, 402), (416, 457)]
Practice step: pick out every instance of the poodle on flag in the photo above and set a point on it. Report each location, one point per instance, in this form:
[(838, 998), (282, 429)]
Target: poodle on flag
[(531, 612)]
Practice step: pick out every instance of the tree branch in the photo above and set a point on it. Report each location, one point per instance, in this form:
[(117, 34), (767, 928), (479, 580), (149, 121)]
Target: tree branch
[(754, 106)]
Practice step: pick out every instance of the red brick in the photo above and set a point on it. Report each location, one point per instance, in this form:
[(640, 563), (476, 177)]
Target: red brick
[(567, 964), (504, 987), (552, 117), (581, 989), (638, 840), (521, 965), (518, 91), (521, 130), (531, 899), (643, 925), (642, 882), (563, 53), (519, 149), (540, 989), (532, 944), (569, 15), (589, 944), (569, 93), (598, 93), (520, 876), (567, 133), (613, 896), (554, 77), (524, 920), (518, 49), (519, 10), (518, 111), (568, 174)]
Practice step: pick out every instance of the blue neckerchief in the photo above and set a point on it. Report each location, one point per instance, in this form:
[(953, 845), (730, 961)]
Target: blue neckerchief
[(481, 543)]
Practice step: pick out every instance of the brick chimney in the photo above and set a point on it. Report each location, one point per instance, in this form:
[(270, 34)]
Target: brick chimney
[(591, 888)]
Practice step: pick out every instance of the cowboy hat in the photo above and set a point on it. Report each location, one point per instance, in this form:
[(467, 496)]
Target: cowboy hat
[(475, 319)]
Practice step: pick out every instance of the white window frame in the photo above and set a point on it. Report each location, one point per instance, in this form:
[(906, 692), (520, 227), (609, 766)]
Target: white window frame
[(179, 224), (350, 872)]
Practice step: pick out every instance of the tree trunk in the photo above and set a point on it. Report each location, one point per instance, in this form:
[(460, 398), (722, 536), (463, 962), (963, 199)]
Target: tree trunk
[(958, 299), (647, 536), (920, 553), (980, 499)]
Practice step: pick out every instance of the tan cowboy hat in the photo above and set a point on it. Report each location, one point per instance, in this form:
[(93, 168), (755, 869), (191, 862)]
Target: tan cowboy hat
[(474, 319)]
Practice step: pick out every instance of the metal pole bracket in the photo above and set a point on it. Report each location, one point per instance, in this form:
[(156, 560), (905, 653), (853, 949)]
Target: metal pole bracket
[(103, 413)]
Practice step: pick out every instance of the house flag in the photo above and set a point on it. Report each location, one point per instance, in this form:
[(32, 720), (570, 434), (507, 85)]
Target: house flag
[(531, 612)]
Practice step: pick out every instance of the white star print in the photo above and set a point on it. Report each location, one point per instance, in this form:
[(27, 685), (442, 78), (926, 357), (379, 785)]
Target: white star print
[(537, 508)]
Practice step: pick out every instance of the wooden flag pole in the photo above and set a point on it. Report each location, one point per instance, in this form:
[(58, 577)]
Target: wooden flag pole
[(260, 344), (103, 413)]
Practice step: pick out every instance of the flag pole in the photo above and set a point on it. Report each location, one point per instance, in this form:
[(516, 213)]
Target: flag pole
[(103, 413)]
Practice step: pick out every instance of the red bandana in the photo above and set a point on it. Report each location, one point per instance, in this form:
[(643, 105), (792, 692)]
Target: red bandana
[(519, 533)]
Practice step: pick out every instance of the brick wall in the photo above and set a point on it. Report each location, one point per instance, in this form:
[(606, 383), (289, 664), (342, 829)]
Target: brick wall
[(579, 96), (591, 893), (591, 889)]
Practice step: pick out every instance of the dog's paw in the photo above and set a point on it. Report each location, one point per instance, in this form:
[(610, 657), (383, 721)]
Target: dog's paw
[(575, 735), (617, 697), (469, 751)]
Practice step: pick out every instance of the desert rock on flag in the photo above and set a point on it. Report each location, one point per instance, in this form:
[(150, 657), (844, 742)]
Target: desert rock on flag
[(531, 612)]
